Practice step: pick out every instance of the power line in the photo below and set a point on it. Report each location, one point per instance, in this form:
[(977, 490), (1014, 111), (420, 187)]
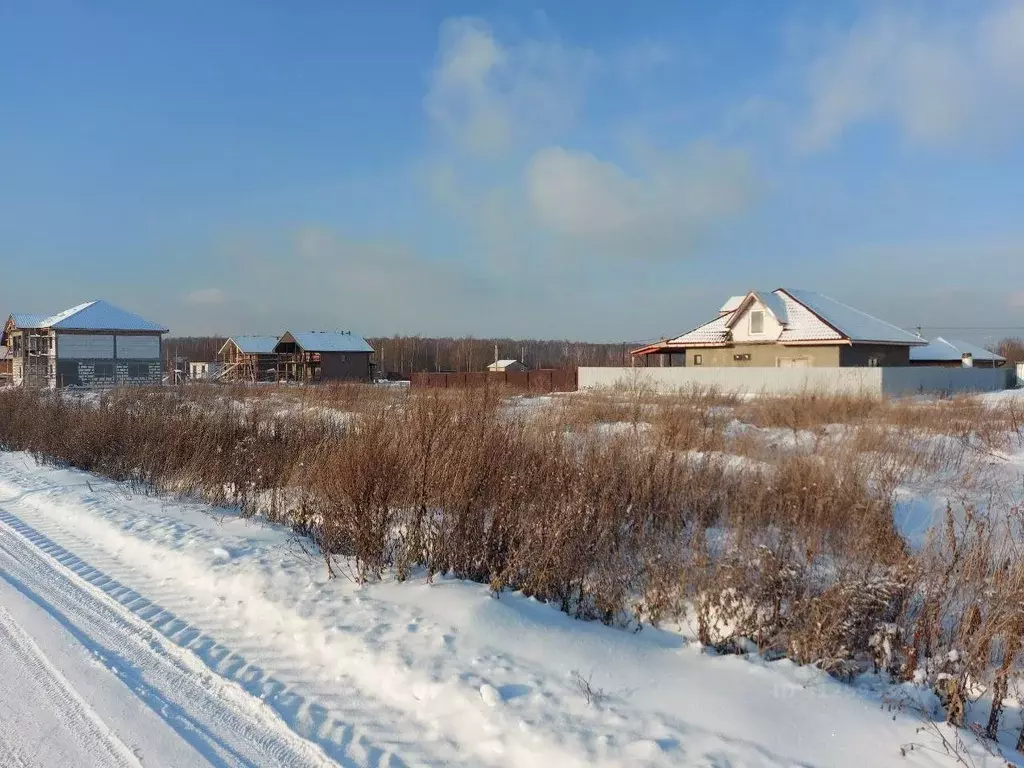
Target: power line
[(973, 328)]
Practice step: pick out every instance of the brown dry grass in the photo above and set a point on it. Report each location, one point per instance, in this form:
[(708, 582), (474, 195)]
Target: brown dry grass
[(792, 547)]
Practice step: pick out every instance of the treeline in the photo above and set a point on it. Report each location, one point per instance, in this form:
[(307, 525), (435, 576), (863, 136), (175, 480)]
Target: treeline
[(408, 354), (1012, 350)]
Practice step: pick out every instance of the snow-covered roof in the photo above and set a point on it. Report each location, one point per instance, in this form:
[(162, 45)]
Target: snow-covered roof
[(714, 332), (92, 316), (768, 299), (503, 363), (253, 345), (805, 316), (330, 341), (948, 350)]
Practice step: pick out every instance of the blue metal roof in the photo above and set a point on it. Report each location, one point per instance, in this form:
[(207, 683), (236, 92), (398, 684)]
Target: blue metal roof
[(255, 345), (330, 341), (948, 350), (26, 320), (99, 316), (855, 325)]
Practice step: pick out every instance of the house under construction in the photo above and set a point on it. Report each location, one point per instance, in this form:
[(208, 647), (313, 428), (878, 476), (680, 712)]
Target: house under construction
[(308, 356), (93, 345), (248, 358)]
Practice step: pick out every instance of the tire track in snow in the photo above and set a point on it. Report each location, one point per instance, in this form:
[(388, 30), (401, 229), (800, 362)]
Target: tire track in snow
[(344, 716), (224, 723), (73, 712)]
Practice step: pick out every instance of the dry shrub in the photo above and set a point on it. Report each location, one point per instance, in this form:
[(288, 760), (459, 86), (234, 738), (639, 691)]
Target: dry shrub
[(795, 554)]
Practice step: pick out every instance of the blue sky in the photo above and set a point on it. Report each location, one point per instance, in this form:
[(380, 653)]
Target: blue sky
[(584, 170)]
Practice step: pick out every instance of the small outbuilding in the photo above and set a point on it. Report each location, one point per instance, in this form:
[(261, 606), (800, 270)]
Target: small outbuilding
[(951, 353), (204, 370), (507, 366)]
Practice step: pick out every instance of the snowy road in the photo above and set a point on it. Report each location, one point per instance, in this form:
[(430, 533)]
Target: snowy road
[(137, 631), (222, 722)]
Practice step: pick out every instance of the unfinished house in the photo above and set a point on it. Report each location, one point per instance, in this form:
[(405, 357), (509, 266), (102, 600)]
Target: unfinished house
[(786, 328), (92, 345), (6, 365), (313, 356), (248, 358)]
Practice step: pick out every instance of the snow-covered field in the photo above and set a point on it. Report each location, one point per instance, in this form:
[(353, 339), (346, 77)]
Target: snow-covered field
[(135, 631)]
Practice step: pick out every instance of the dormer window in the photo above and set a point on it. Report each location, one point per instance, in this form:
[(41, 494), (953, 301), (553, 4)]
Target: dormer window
[(757, 322)]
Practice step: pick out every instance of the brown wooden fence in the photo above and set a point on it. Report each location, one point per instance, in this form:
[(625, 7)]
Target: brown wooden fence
[(544, 380)]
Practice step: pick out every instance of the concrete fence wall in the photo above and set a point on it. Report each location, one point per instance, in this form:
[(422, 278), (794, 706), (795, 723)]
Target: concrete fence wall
[(915, 380), (786, 381)]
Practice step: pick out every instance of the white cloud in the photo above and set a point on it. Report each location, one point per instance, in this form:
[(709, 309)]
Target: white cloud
[(206, 296), (485, 96), (538, 199), (677, 199), (940, 80)]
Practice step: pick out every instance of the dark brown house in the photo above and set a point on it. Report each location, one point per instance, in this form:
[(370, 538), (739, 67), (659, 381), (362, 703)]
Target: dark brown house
[(313, 356)]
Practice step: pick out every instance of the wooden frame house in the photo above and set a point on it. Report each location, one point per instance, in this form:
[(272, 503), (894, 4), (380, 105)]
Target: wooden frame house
[(248, 358)]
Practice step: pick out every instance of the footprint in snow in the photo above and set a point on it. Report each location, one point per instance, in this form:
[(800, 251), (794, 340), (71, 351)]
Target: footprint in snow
[(221, 554)]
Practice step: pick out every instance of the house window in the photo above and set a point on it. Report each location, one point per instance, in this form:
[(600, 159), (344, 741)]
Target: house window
[(698, 360), (757, 322), (138, 370), (872, 362), (103, 370)]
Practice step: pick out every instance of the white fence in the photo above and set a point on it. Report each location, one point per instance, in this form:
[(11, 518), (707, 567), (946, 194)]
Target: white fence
[(786, 381)]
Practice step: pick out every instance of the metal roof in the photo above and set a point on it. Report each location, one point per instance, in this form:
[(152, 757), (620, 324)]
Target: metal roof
[(26, 320), (855, 325), (92, 316), (330, 341), (806, 316), (947, 350), (775, 305), (254, 345)]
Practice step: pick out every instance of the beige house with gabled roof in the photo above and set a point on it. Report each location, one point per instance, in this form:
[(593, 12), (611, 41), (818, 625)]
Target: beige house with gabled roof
[(787, 328)]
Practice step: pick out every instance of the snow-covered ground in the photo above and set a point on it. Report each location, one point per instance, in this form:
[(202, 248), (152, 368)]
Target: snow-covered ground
[(138, 631)]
